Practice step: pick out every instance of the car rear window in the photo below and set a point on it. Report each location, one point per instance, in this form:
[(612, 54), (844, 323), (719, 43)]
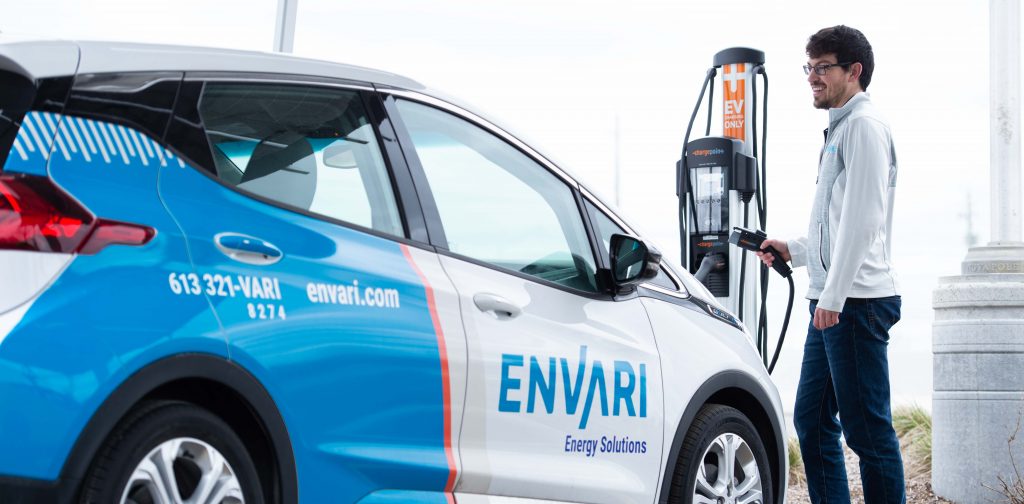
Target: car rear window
[(312, 148)]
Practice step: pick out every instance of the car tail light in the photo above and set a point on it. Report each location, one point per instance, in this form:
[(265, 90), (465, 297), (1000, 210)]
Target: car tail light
[(36, 214)]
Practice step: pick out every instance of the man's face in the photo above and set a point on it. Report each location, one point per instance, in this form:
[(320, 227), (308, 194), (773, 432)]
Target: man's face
[(836, 87)]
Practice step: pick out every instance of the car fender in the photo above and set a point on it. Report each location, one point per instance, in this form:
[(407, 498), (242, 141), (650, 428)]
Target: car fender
[(168, 370)]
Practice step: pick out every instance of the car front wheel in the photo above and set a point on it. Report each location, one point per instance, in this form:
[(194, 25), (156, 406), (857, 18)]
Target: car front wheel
[(722, 461)]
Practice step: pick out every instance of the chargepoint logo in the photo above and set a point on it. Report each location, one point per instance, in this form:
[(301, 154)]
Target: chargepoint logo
[(707, 152)]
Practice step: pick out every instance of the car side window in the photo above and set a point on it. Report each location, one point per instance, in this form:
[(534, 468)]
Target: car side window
[(307, 147), (605, 227), (498, 205)]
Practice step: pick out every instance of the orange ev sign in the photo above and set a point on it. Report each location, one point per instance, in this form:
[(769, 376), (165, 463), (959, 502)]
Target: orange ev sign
[(734, 112)]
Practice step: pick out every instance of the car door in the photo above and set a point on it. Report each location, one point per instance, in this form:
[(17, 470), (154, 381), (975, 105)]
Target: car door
[(564, 397), (324, 288)]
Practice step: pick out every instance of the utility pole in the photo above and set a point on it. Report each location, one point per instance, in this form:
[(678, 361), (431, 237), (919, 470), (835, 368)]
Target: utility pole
[(284, 29), (618, 169), (970, 239)]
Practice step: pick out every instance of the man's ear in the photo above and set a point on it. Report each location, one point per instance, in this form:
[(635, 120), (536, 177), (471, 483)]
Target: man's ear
[(855, 71)]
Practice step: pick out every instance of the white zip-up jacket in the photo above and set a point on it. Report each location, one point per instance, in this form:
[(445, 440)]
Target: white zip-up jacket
[(848, 247)]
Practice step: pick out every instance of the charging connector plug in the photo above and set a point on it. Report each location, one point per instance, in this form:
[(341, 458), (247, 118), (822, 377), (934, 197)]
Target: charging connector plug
[(752, 240), (711, 262)]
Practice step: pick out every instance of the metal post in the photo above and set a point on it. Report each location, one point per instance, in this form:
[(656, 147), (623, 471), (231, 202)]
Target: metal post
[(1004, 107), (618, 169), (284, 29)]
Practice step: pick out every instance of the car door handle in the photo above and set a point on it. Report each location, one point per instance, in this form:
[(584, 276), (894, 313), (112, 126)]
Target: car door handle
[(247, 249), (500, 307)]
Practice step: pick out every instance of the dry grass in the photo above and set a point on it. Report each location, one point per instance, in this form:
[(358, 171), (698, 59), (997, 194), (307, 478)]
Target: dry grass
[(796, 464), (1012, 491), (913, 427)]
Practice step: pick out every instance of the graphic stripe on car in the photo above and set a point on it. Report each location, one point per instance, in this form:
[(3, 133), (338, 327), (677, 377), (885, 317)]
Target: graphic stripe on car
[(449, 486)]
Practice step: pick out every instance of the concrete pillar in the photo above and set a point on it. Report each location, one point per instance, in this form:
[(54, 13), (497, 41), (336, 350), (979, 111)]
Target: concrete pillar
[(978, 375), (978, 333)]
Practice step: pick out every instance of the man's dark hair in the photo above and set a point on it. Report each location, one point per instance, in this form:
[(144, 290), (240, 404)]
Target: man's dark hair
[(848, 44)]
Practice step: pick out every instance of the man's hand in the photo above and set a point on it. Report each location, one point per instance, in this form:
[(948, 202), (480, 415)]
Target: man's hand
[(823, 319), (780, 246)]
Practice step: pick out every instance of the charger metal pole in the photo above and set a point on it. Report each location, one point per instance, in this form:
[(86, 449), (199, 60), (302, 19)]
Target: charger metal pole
[(284, 29), (737, 65)]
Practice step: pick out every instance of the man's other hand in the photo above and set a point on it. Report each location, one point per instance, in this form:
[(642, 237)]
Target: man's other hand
[(823, 319), (780, 246)]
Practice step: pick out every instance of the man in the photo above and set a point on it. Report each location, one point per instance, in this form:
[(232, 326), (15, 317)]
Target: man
[(853, 290)]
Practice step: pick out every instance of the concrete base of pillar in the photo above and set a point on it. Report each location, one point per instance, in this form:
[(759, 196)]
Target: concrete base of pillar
[(978, 364)]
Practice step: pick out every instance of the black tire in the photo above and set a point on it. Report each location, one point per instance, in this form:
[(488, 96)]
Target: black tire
[(712, 421), (148, 426)]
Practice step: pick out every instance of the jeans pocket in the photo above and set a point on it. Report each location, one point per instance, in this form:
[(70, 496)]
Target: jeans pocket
[(897, 309), (883, 313)]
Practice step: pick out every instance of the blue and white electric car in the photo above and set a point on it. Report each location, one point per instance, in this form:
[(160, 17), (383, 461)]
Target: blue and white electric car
[(236, 277)]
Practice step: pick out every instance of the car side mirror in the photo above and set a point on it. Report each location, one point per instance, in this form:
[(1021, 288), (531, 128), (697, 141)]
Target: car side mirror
[(632, 261)]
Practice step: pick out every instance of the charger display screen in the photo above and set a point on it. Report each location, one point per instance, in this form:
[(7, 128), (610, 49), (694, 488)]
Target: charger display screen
[(708, 184)]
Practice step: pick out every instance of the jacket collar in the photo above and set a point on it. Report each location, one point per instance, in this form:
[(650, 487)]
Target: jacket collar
[(838, 114)]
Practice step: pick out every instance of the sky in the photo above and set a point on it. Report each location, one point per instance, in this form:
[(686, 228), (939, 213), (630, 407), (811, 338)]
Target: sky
[(565, 75)]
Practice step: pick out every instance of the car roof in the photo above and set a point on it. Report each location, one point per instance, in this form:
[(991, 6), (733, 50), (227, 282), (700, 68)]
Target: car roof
[(103, 57), (100, 57)]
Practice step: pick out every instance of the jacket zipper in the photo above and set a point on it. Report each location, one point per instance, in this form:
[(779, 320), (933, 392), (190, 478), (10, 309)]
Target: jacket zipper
[(821, 243)]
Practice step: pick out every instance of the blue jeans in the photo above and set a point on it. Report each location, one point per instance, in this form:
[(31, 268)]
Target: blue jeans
[(845, 371)]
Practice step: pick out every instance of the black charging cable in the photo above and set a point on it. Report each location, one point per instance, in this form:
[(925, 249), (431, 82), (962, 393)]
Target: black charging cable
[(752, 240), (683, 174), (761, 200), (745, 197), (711, 101), (785, 326), (762, 210), (743, 263)]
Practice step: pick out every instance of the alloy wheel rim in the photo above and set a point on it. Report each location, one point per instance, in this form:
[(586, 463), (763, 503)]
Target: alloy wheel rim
[(728, 473), (183, 471)]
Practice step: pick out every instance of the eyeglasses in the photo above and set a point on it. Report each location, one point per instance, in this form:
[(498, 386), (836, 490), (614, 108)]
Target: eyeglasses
[(822, 69)]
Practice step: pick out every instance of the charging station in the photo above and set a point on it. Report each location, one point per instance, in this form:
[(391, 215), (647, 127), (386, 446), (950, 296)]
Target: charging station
[(717, 178)]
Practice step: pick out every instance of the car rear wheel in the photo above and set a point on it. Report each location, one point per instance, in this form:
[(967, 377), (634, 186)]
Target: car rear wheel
[(172, 452), (722, 461)]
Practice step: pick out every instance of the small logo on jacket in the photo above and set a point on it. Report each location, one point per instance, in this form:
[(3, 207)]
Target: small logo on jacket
[(831, 149)]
